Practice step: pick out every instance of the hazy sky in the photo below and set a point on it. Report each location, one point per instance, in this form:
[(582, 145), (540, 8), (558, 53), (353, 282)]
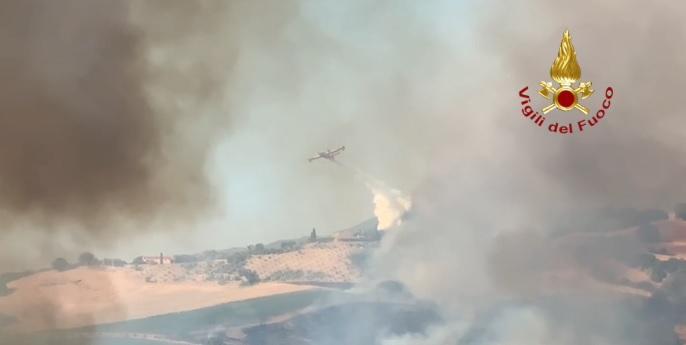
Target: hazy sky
[(317, 81), (242, 93), (208, 111), (226, 101)]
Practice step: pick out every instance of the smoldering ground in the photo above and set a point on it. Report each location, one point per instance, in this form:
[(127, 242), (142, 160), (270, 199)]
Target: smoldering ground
[(459, 246)]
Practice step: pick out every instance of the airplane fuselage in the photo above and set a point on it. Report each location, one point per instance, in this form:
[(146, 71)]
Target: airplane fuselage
[(328, 154)]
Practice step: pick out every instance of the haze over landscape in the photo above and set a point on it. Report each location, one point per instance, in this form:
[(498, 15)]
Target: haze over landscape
[(133, 128)]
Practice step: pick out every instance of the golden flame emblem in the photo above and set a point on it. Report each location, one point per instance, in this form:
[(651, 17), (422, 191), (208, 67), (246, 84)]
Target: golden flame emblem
[(565, 71)]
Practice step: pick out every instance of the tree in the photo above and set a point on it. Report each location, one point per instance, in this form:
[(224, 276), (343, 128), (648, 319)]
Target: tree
[(259, 248), (680, 211), (313, 235), (658, 274), (249, 277), (646, 261), (60, 264), (185, 258), (87, 259), (288, 245), (672, 265)]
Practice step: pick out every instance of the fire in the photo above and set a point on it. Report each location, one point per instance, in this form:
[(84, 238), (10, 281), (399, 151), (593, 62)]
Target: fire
[(565, 70)]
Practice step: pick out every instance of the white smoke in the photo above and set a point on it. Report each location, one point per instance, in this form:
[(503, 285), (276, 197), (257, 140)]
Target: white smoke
[(516, 326)]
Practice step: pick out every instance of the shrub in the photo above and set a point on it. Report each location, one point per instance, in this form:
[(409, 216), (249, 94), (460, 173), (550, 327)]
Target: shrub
[(12, 276), (360, 259), (658, 274), (238, 259), (210, 255), (60, 264), (185, 258), (88, 259), (114, 262), (672, 265), (288, 245), (646, 261), (680, 210), (648, 233), (286, 275), (249, 277)]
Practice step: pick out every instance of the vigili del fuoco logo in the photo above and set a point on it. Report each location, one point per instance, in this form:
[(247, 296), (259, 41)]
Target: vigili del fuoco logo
[(565, 95)]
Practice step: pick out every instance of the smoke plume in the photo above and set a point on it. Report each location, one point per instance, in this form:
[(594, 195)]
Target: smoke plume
[(481, 239), (95, 126), (100, 129)]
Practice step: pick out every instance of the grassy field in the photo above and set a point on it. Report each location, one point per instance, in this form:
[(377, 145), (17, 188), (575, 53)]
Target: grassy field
[(195, 325), (101, 341), (225, 315)]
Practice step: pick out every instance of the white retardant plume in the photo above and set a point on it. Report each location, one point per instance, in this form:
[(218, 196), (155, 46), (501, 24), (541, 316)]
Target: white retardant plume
[(390, 205)]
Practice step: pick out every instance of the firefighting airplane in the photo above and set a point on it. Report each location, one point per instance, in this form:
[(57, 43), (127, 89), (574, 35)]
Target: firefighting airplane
[(328, 154)]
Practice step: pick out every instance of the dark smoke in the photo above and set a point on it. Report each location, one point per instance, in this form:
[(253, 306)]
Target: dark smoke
[(92, 137), (91, 130), (75, 126), (488, 170)]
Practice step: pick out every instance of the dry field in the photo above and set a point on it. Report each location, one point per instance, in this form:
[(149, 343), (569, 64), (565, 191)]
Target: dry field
[(87, 296)]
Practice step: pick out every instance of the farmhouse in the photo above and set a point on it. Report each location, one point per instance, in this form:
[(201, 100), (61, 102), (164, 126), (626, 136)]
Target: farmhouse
[(157, 260)]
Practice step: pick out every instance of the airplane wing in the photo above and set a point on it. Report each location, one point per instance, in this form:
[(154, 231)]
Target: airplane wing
[(338, 150)]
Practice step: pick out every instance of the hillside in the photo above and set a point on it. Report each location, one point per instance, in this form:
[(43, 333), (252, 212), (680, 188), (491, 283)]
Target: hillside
[(100, 294), (633, 262), (319, 262)]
